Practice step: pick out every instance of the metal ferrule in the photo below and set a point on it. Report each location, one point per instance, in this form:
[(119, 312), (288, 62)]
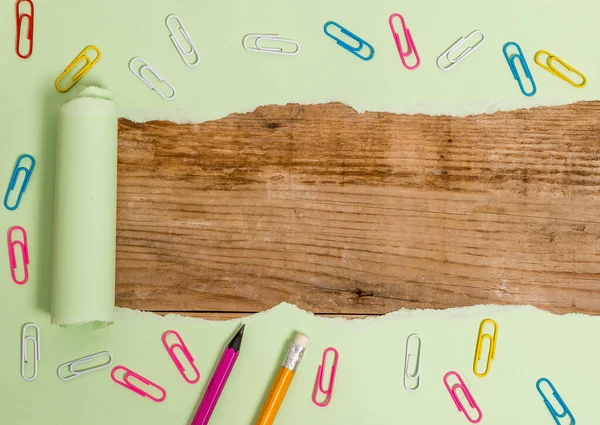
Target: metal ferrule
[(293, 358)]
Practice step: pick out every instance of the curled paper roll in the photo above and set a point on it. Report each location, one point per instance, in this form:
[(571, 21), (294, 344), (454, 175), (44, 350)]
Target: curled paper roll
[(83, 275)]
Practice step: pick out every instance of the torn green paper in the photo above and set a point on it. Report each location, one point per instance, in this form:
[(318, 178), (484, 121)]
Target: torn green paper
[(531, 344), (85, 214), (228, 79)]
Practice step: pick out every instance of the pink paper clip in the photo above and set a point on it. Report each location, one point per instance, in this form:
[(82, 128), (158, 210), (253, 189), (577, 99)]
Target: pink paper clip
[(125, 383), (411, 43), (461, 386), (13, 258), (183, 348), (319, 383)]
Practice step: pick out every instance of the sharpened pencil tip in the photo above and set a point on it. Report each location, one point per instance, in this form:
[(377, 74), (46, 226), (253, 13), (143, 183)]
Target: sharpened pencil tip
[(236, 342)]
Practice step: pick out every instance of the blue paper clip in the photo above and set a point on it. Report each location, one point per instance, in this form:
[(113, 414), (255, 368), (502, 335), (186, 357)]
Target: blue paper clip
[(354, 50), (513, 68), (15, 177), (557, 416)]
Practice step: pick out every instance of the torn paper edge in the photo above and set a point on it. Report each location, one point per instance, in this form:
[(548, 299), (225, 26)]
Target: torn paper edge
[(479, 311)]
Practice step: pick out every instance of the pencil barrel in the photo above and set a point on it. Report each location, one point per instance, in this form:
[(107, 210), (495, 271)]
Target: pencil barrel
[(276, 397)]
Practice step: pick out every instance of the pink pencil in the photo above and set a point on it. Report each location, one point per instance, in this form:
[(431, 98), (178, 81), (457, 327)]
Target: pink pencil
[(219, 380)]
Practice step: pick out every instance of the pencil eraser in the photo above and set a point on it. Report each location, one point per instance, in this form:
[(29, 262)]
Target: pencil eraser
[(301, 340)]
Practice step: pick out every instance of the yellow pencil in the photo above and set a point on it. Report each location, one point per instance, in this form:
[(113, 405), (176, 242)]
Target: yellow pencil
[(283, 381)]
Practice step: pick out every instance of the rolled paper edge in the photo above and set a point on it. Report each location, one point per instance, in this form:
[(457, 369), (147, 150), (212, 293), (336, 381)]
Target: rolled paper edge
[(74, 106), (102, 98), (90, 91)]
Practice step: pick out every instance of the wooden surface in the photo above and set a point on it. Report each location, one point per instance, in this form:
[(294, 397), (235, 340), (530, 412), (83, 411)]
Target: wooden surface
[(341, 213)]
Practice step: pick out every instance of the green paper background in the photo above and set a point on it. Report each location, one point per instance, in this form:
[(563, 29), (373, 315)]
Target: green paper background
[(229, 79)]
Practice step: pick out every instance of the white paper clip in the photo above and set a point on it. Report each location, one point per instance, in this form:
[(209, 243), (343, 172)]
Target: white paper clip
[(192, 49), (407, 367), (36, 346), (459, 43), (84, 360), (140, 75), (270, 37)]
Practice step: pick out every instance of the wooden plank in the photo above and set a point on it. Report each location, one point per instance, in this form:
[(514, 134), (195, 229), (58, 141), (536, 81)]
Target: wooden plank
[(339, 212)]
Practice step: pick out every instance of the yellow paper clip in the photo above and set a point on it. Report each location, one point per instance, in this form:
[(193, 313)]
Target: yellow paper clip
[(89, 63), (480, 339), (552, 69)]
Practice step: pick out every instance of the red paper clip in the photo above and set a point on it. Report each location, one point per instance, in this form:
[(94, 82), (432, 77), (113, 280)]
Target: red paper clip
[(12, 244), (183, 348), (20, 18), (319, 384), (411, 48), (125, 383)]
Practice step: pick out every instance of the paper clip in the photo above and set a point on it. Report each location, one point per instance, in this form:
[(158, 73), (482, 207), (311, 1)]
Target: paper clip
[(407, 366), (354, 50), (461, 408), (560, 401), (84, 360), (125, 383), (458, 44), (270, 37), (552, 69), (36, 346), (492, 353), (12, 244), (319, 384), (20, 18), (183, 348), (13, 181), (513, 68), (140, 75), (192, 49), (409, 40), (89, 63)]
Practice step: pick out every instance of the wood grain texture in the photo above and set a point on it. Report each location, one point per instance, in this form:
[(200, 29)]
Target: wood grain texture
[(346, 213)]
